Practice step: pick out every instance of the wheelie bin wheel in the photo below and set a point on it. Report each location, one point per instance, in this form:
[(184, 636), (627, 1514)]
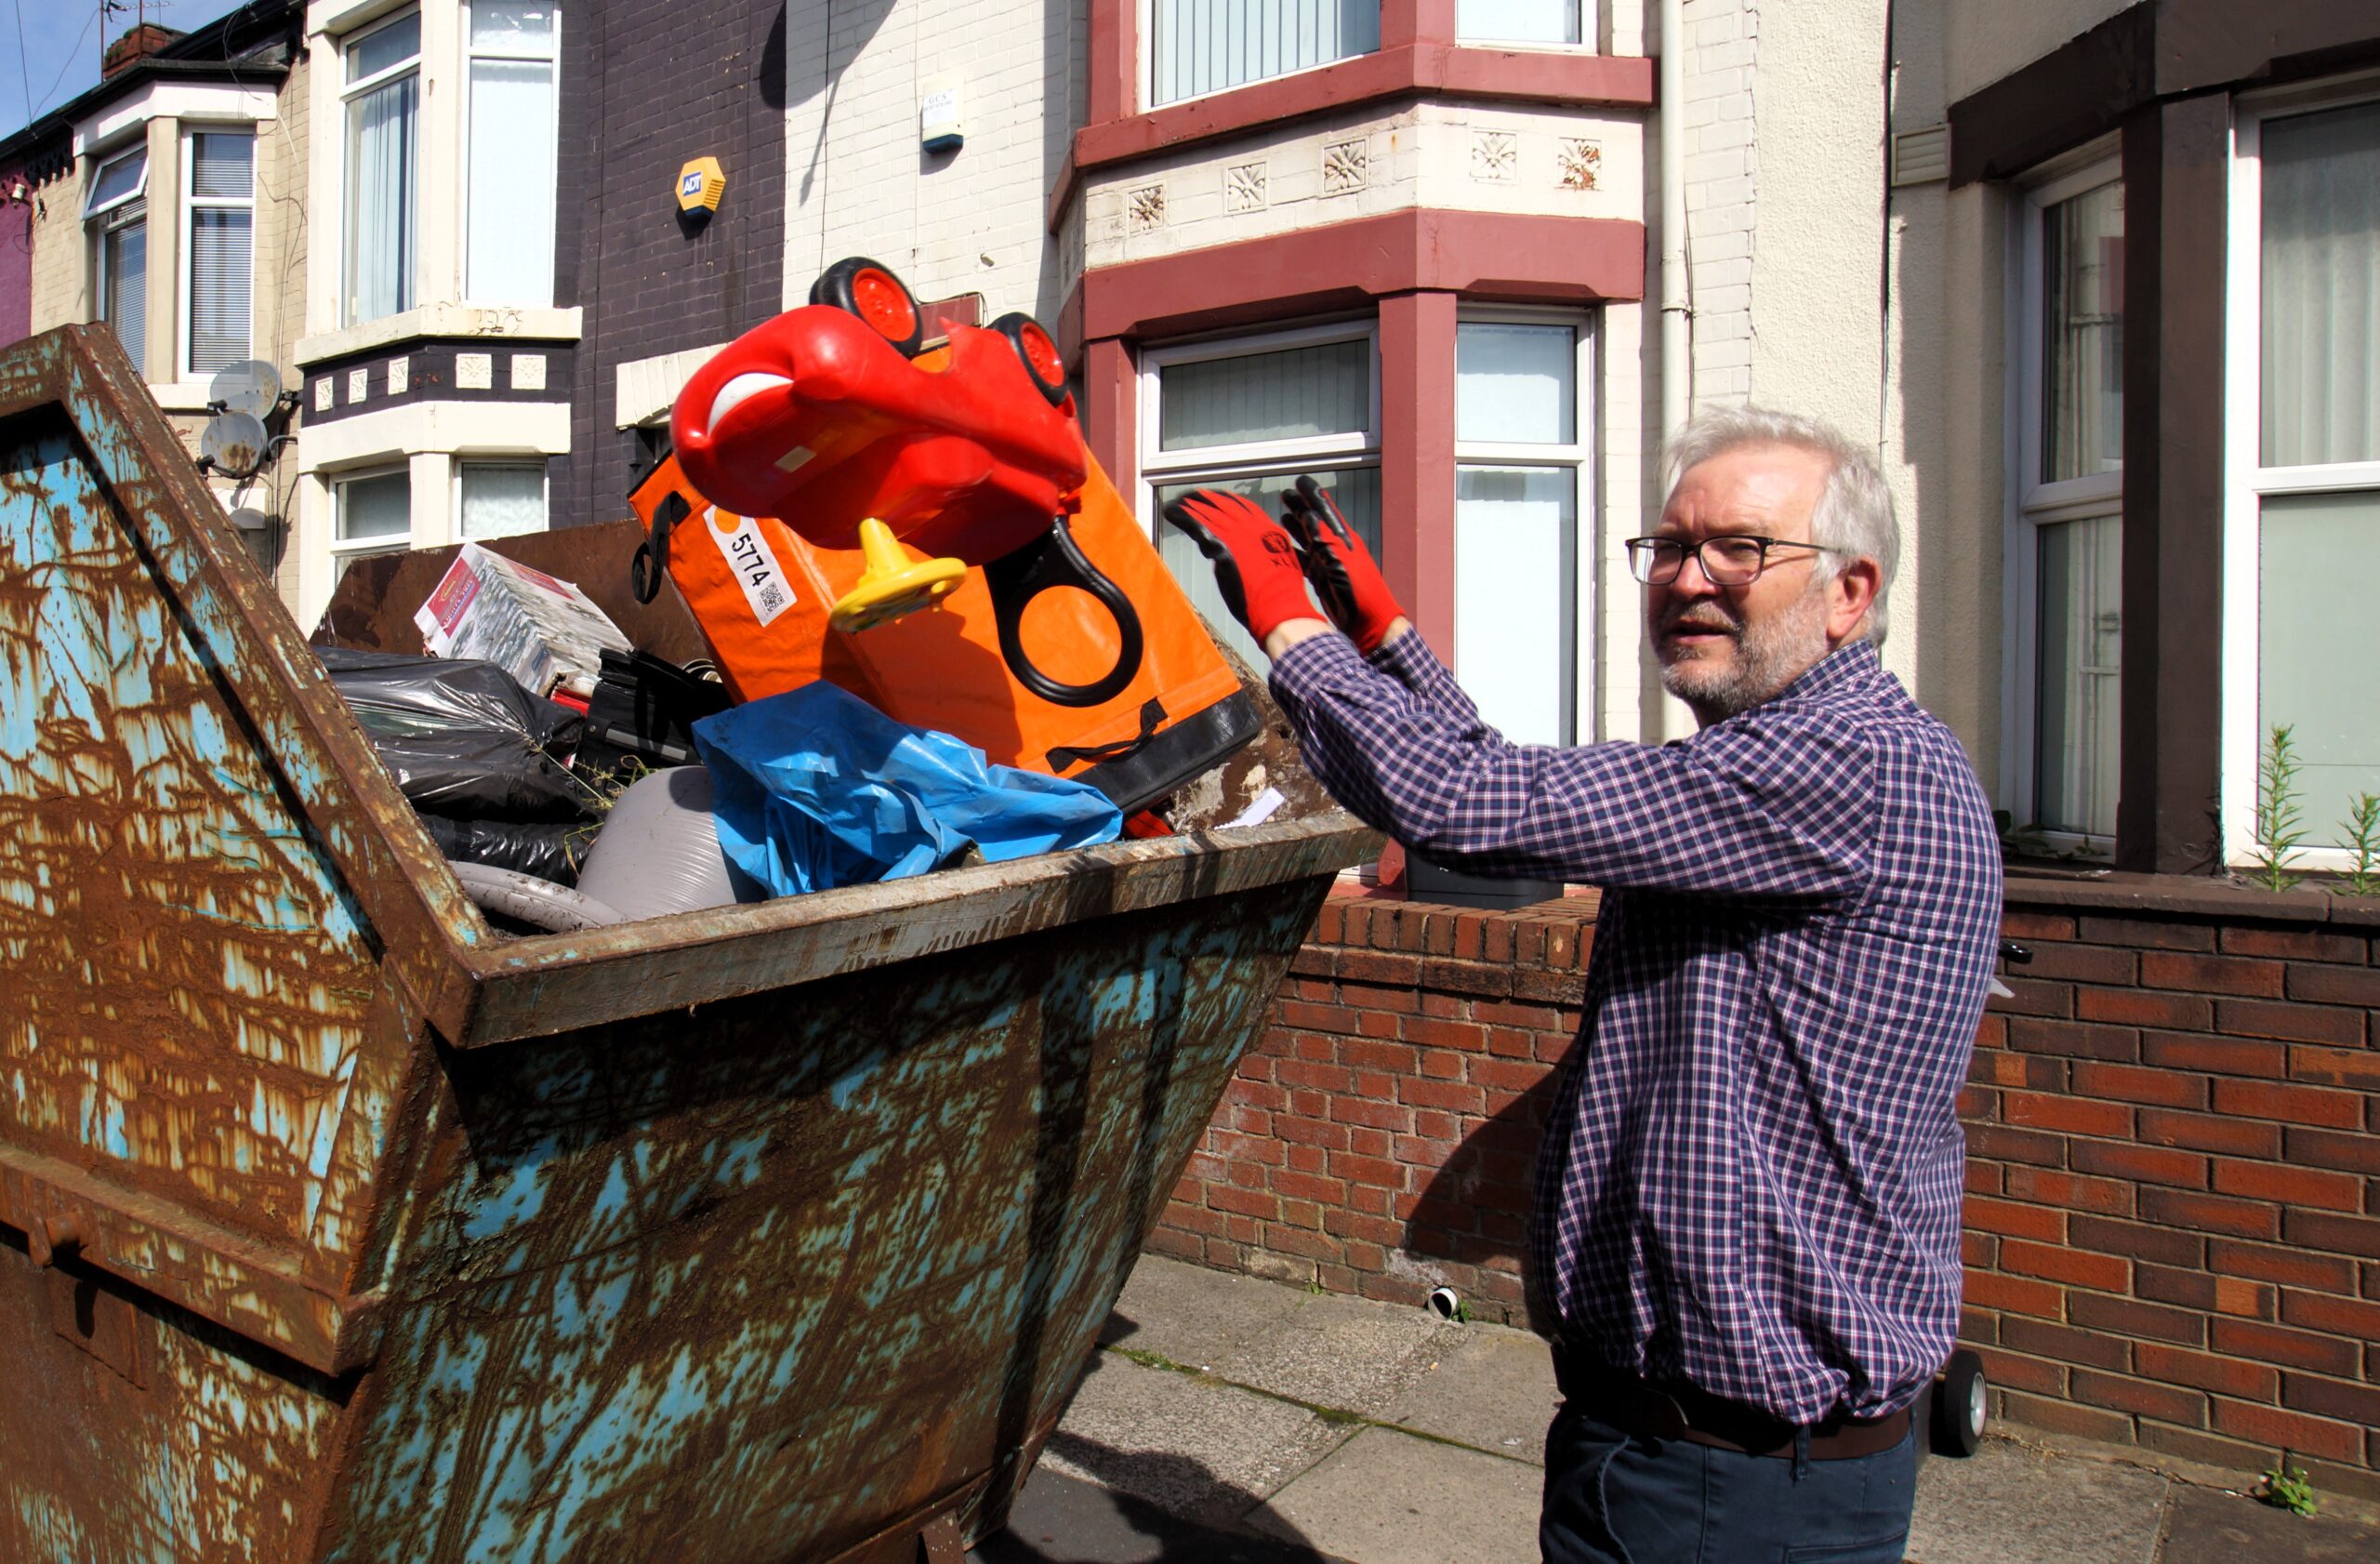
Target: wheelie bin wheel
[(1956, 1427), (868, 289), (1047, 370)]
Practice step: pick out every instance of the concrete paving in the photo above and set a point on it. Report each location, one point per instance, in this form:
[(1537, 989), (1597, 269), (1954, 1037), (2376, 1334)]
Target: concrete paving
[(1231, 1420)]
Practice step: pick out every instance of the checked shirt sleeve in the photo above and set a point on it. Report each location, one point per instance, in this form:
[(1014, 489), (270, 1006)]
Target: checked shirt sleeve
[(1780, 803)]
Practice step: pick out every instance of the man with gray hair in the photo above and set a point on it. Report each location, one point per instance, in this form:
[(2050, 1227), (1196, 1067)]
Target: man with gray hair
[(1745, 1243)]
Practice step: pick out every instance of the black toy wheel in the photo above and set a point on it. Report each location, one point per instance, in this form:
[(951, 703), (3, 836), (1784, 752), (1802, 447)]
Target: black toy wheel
[(1039, 353), (1959, 1410), (868, 289)]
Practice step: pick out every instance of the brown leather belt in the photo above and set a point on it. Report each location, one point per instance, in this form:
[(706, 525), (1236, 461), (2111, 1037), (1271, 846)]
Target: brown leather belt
[(1643, 1408)]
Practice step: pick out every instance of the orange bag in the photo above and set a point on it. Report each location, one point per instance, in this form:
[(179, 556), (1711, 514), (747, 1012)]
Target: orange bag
[(760, 593)]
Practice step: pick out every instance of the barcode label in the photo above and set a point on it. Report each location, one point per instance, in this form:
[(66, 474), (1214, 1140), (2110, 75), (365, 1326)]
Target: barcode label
[(754, 565)]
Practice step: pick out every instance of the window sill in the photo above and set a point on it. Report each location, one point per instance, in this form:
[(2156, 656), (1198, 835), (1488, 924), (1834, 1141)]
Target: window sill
[(1513, 74), (523, 322), (2185, 894)]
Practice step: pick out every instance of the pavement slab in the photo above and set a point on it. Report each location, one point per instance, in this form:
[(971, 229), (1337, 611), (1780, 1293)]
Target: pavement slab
[(1189, 1314), (1203, 1451), (2207, 1527), (1493, 1390), (1386, 1497), (2010, 1504), (1349, 1354)]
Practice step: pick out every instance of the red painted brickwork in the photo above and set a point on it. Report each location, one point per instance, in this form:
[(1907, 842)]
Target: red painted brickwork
[(1379, 1138), (2173, 1227)]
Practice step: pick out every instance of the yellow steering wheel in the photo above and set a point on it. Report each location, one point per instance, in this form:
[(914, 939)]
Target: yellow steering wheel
[(894, 584)]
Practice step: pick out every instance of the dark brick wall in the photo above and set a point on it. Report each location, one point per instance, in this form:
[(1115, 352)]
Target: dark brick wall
[(2172, 1224), (649, 84)]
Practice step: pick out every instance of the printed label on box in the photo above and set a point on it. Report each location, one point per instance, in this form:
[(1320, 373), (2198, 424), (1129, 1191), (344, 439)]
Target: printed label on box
[(766, 587)]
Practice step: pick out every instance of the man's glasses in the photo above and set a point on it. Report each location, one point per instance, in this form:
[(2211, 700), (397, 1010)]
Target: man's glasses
[(1727, 560)]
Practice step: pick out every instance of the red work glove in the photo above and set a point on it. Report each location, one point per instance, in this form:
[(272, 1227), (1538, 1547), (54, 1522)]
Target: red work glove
[(1339, 566), (1256, 562)]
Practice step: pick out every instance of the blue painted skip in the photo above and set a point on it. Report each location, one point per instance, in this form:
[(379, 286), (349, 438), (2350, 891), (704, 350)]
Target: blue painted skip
[(787, 1267)]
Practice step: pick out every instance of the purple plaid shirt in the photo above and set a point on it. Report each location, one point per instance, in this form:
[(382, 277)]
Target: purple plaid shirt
[(1751, 1170)]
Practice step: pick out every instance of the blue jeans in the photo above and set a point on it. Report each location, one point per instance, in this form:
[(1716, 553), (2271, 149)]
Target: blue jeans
[(1613, 1499)]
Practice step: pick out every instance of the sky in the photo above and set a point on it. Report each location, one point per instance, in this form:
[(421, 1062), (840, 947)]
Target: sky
[(59, 56)]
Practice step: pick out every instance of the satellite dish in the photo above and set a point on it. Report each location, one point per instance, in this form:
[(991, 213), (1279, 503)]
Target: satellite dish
[(233, 444), (251, 386), (247, 518)]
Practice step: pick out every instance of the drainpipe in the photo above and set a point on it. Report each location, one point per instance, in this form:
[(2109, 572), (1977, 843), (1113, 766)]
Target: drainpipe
[(1677, 343)]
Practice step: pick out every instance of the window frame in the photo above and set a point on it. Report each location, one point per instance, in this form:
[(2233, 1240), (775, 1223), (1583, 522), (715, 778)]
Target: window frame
[(189, 202), (341, 549), (2032, 503), (1252, 459), (101, 221), (2247, 482), (469, 96), (1590, 14), (1578, 456), (1144, 72), (461, 461), (101, 163), (348, 94)]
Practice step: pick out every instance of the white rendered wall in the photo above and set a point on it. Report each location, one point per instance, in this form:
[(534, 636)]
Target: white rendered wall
[(858, 182)]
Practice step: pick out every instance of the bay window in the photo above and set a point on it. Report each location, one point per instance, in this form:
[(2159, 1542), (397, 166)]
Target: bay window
[(1519, 459), (2066, 554), (2302, 519), (117, 211), (381, 99), (219, 228), (1209, 45), (509, 216), (1252, 415)]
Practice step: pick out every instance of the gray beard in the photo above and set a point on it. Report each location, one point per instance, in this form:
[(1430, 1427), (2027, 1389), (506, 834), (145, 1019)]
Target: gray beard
[(1768, 657)]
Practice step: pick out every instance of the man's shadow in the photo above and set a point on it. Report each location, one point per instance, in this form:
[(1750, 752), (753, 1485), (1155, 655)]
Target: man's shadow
[(1475, 1208)]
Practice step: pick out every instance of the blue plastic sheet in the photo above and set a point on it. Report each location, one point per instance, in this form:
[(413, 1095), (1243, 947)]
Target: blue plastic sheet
[(815, 789)]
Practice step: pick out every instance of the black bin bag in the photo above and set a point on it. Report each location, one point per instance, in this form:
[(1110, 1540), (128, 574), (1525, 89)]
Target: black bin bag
[(465, 740)]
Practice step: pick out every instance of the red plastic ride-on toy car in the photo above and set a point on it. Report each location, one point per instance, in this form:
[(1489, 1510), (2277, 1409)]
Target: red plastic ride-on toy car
[(839, 419)]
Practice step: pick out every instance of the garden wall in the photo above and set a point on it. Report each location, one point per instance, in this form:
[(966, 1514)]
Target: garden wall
[(2173, 1211)]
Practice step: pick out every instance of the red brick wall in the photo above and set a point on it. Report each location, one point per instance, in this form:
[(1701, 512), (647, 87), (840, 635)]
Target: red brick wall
[(2173, 1177), (2174, 1218), (1378, 1139)]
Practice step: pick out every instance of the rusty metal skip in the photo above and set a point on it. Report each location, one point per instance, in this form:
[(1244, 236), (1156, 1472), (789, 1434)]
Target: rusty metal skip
[(334, 1227)]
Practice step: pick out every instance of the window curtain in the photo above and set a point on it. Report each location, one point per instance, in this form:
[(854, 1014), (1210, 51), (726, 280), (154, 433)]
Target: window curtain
[(380, 171), (126, 261), (2080, 655), (511, 180), (1206, 46), (221, 250), (2082, 353), (2321, 287), (1517, 21), (500, 499), (1296, 393), (1516, 566), (376, 507)]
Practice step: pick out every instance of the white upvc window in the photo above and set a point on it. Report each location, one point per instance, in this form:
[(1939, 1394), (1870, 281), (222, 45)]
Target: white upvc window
[(1521, 587), (219, 248), (380, 99), (514, 48), (371, 514), (2302, 522), (1523, 21), (1253, 415), (2065, 541), (1197, 47), (499, 499), (116, 207)]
